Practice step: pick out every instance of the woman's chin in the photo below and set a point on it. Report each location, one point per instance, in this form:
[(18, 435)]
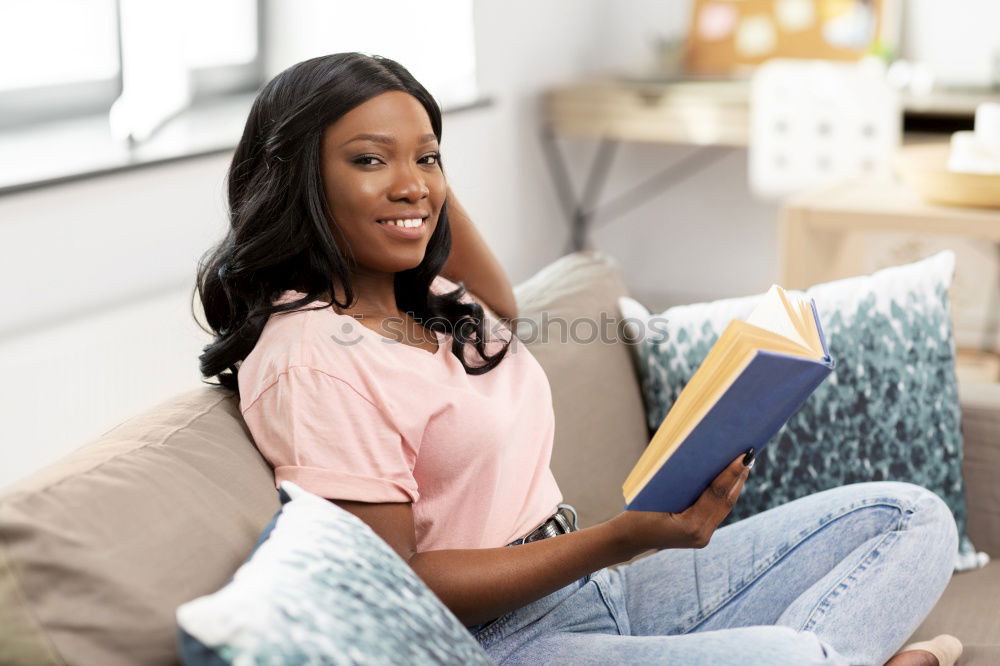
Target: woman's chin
[(400, 263)]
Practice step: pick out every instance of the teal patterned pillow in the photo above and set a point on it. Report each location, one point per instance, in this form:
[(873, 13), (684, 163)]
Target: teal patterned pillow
[(322, 588), (889, 411)]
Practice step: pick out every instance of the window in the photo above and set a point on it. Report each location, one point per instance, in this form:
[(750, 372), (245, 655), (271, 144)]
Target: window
[(176, 52), (60, 59), (149, 58), (107, 85)]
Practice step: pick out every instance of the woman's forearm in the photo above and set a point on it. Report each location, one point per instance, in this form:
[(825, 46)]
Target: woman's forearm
[(481, 584), (472, 262)]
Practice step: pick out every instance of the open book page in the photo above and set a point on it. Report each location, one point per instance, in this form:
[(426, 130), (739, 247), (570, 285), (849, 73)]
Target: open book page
[(774, 313), (793, 320)]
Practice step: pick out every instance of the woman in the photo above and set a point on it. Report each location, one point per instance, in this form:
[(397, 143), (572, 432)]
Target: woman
[(369, 377)]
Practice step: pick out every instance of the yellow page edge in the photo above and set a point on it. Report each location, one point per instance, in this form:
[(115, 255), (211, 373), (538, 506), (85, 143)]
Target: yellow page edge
[(691, 426)]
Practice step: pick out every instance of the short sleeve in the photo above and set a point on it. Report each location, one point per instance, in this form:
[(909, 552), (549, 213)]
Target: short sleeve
[(318, 432)]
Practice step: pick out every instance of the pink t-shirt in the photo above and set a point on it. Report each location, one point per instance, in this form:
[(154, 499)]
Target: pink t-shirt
[(347, 413)]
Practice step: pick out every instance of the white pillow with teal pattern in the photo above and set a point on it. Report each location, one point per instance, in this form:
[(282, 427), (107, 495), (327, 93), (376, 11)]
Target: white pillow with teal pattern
[(889, 410), (321, 587)]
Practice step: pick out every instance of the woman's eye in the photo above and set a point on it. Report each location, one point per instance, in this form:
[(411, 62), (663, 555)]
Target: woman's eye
[(365, 159)]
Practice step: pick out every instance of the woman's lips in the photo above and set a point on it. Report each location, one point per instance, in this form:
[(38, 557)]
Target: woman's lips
[(405, 232)]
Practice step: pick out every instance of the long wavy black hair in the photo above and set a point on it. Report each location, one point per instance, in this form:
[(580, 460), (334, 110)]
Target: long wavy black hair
[(279, 234)]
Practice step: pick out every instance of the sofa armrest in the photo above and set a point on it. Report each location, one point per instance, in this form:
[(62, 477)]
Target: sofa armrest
[(981, 434)]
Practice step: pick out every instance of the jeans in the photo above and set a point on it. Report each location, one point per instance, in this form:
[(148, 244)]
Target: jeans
[(842, 576)]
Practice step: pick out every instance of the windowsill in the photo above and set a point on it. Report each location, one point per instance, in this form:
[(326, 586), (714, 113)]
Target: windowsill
[(59, 152)]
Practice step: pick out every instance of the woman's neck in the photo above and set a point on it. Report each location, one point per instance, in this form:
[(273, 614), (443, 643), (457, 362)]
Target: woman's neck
[(374, 294)]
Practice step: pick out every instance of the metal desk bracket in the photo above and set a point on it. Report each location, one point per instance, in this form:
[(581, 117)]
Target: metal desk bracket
[(581, 211)]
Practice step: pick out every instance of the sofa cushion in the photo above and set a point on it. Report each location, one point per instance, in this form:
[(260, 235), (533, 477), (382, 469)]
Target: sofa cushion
[(981, 435), (98, 550), (889, 410), (600, 422), (321, 587)]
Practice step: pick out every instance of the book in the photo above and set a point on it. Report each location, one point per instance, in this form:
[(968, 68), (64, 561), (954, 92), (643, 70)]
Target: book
[(755, 376)]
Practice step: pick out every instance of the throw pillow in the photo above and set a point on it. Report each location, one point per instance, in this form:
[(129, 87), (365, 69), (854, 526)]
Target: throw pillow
[(321, 587), (889, 411)]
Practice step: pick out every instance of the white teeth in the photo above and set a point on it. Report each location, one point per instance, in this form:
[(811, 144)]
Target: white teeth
[(403, 223)]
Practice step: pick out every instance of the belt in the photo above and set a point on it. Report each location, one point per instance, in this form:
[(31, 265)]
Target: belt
[(558, 523)]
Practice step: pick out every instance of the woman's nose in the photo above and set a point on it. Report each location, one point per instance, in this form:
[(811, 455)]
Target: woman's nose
[(410, 184)]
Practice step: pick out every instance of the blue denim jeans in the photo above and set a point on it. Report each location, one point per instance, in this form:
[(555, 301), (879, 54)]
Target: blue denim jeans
[(842, 576)]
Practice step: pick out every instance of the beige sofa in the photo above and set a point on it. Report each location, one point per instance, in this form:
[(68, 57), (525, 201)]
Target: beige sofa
[(97, 550)]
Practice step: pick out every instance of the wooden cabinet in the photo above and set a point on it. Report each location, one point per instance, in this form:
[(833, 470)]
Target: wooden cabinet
[(823, 236)]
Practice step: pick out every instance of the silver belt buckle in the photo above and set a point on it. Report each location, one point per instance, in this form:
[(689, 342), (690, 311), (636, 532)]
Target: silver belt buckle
[(564, 522), (555, 525)]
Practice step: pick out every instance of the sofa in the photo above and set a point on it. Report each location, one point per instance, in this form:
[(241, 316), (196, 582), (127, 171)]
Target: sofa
[(99, 549)]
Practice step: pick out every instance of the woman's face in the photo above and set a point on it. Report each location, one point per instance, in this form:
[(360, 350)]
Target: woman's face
[(392, 173)]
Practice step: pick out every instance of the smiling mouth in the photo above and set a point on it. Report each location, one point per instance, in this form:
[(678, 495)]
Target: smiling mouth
[(405, 224)]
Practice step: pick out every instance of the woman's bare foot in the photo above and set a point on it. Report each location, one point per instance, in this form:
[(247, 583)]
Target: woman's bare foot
[(942, 650), (914, 658)]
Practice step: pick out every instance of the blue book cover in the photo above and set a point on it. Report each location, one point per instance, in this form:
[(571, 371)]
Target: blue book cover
[(748, 414)]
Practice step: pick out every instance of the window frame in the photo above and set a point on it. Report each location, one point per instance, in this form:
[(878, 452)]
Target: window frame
[(25, 107), (211, 124)]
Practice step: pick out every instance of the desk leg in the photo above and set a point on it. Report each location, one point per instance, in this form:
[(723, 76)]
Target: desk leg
[(596, 178), (580, 211)]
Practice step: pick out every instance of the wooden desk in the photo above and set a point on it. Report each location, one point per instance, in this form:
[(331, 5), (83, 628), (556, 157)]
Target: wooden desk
[(705, 113), (816, 227), (711, 115)]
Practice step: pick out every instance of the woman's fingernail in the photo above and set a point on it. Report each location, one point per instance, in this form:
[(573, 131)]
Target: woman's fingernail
[(749, 458)]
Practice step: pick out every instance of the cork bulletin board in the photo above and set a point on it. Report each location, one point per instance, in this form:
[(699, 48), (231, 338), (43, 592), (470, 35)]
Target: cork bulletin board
[(727, 36)]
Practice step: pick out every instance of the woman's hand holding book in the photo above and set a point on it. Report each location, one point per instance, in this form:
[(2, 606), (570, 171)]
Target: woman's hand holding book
[(693, 527)]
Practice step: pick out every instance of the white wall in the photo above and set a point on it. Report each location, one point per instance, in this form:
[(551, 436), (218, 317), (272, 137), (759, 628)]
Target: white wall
[(96, 324), (84, 247)]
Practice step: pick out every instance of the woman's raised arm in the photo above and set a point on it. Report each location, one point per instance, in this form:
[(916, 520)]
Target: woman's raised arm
[(472, 262)]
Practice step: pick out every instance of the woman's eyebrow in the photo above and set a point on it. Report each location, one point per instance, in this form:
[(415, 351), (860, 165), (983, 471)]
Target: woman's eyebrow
[(385, 139)]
